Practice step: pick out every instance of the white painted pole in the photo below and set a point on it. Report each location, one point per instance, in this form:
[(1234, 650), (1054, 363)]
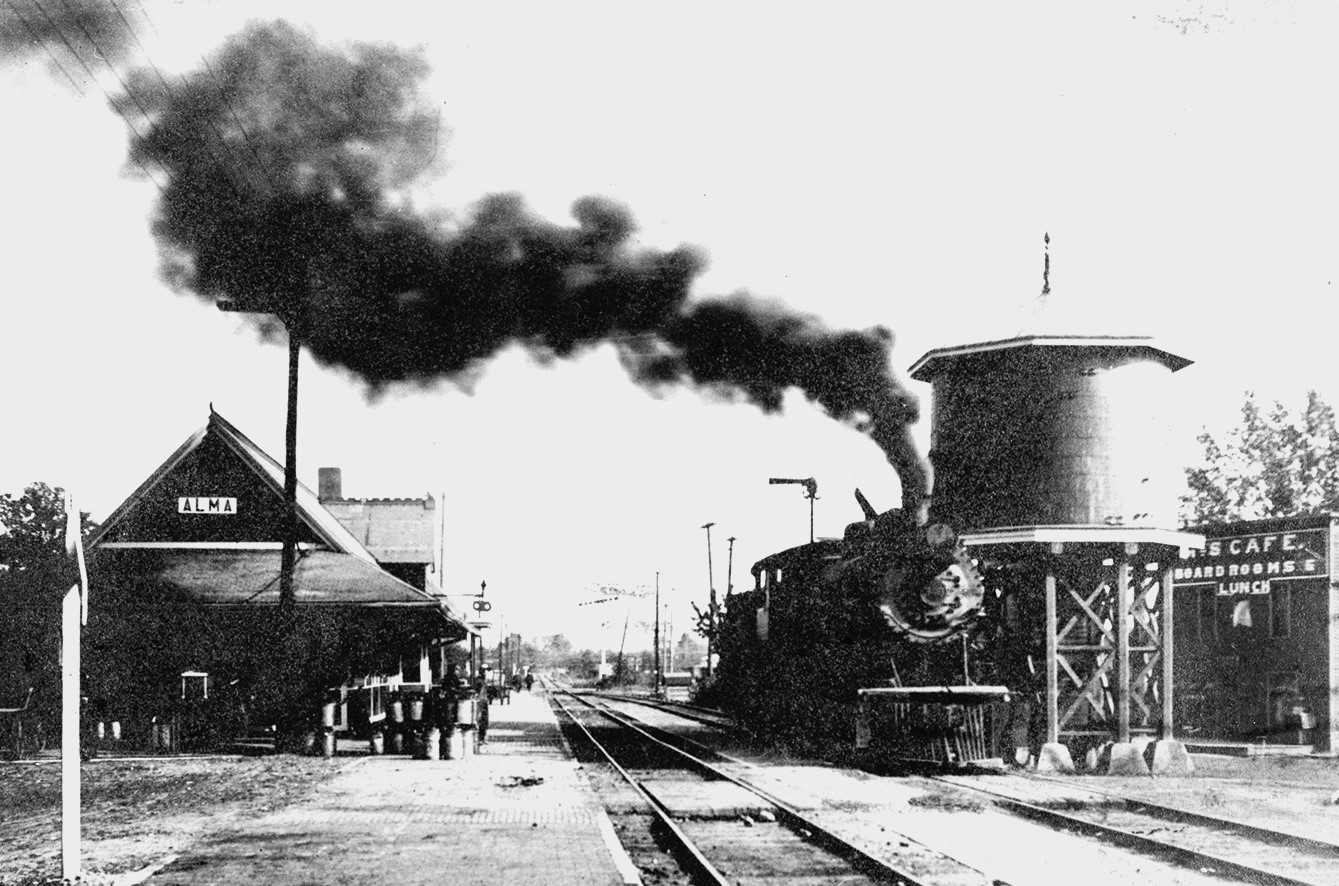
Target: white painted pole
[(69, 734)]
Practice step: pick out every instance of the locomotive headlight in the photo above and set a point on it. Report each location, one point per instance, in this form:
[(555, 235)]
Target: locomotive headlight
[(931, 606), (945, 588)]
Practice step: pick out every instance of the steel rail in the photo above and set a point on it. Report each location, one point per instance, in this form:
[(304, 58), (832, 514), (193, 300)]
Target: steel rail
[(858, 858), (705, 716), (1190, 858), (1186, 816), (685, 843)]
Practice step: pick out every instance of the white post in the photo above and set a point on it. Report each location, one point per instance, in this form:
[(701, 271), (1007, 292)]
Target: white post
[(69, 734)]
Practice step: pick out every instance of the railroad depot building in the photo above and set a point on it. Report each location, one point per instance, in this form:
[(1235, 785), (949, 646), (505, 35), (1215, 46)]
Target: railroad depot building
[(186, 644), (1257, 634)]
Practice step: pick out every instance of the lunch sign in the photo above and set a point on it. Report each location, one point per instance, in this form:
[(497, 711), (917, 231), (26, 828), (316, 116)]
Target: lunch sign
[(1246, 564)]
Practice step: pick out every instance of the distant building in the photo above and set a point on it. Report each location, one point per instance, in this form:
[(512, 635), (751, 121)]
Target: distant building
[(403, 534), (186, 644)]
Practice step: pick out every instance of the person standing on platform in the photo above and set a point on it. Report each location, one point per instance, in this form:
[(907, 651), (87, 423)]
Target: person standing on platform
[(481, 688), (449, 694)]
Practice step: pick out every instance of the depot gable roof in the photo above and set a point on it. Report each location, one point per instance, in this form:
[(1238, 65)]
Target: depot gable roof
[(209, 523), (216, 462)]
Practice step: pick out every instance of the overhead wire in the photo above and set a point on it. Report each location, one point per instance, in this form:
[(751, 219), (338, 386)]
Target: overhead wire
[(77, 57), (226, 168), (91, 76), (37, 38), (246, 136), (58, 31)]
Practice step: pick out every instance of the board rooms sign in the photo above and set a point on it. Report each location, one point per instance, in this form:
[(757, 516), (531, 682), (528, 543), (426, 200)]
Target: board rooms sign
[(200, 504), (1246, 564)]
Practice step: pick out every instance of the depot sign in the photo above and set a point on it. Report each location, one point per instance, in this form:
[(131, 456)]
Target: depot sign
[(1246, 564), (206, 504)]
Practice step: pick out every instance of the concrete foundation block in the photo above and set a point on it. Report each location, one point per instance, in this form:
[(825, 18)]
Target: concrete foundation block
[(1054, 757), (1126, 759), (1168, 757), (1093, 759)]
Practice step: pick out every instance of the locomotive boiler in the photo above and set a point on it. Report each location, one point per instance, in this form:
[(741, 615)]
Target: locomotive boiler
[(863, 642)]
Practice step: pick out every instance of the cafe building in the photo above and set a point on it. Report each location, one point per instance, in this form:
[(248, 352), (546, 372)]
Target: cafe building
[(1257, 634)]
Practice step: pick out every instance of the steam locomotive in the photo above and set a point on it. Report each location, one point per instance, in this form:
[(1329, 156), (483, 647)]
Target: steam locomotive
[(864, 643)]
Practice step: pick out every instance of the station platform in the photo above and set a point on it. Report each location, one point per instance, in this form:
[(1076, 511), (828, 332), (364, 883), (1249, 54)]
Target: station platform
[(1248, 749), (517, 812)]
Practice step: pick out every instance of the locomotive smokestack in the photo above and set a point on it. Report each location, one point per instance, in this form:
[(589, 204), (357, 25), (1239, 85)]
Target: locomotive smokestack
[(284, 159)]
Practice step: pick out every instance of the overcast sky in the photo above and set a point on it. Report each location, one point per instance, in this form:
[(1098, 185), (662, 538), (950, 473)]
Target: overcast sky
[(879, 163)]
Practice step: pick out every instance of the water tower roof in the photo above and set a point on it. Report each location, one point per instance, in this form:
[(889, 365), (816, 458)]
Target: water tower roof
[(1056, 320), (934, 361)]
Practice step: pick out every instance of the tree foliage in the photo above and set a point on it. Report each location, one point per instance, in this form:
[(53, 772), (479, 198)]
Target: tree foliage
[(32, 527), (1277, 462), (32, 581)]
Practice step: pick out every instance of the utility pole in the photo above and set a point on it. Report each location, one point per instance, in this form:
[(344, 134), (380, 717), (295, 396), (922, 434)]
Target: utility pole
[(288, 550), (711, 599), (729, 572), (656, 639), (288, 553)]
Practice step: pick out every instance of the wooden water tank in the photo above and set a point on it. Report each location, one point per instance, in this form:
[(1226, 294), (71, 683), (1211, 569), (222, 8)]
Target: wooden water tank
[(1052, 431)]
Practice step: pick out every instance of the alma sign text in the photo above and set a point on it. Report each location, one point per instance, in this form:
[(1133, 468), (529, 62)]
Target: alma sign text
[(202, 504)]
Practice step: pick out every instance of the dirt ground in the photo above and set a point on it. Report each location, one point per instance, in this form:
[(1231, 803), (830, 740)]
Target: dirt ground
[(1299, 795), (138, 812)]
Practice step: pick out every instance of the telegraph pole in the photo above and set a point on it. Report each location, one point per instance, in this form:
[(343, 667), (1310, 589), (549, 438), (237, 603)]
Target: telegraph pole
[(711, 599), (288, 554), (729, 571), (656, 638), (288, 551)]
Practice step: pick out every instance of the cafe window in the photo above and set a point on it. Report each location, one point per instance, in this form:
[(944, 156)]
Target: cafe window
[(1238, 613), (1208, 605), (1280, 610)]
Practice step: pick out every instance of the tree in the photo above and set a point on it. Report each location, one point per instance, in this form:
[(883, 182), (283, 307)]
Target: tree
[(32, 581), (32, 528), (1274, 464)]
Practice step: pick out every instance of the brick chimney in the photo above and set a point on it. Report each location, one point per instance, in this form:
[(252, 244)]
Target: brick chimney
[(329, 484)]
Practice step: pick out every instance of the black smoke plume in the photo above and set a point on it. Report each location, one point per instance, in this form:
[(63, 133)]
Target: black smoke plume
[(285, 166), (73, 33)]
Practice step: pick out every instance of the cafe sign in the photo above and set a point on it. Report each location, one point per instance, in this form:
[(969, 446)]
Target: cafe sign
[(1246, 564), (201, 504)]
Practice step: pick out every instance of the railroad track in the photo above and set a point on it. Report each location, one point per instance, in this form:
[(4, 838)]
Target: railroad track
[(1202, 848), (726, 831), (696, 713), (1230, 849)]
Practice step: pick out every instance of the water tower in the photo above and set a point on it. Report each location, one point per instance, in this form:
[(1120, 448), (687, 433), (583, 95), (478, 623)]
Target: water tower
[(1051, 454)]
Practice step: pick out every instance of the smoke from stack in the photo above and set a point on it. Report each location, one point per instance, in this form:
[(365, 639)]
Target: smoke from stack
[(285, 165), (80, 35)]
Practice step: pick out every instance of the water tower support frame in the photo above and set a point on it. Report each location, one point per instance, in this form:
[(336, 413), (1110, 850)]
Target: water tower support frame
[(1101, 600)]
